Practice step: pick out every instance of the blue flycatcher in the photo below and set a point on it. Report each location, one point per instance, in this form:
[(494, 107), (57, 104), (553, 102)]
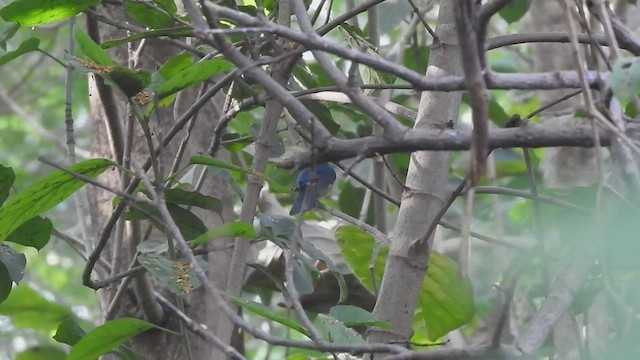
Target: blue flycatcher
[(311, 184)]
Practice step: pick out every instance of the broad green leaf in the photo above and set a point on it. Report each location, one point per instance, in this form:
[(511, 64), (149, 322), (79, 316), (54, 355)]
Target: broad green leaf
[(91, 50), (177, 276), (515, 10), (39, 12), (107, 337), (208, 160), (14, 261), (445, 298), (302, 279), (131, 82), (25, 47), (230, 229), (354, 316), (192, 198), (5, 283), (235, 142), (496, 113), (46, 352), (269, 314), (36, 233), (7, 177), (170, 68), (175, 32), (28, 309), (336, 332), (625, 79), (69, 332), (323, 114), (7, 32), (189, 224), (316, 254), (46, 193), (147, 16), (192, 75)]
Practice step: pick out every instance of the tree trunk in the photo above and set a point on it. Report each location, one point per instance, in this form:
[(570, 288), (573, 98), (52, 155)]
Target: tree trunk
[(154, 344)]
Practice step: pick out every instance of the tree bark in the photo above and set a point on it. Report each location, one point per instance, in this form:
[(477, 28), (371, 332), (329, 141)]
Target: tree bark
[(426, 193), (155, 344)]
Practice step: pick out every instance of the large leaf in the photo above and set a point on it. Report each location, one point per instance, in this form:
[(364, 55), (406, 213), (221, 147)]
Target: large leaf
[(38, 12), (446, 299), (7, 177), (107, 338), (47, 352), (25, 47), (625, 79), (13, 261), (170, 68), (69, 332), (230, 229), (515, 10), (46, 193), (208, 160), (5, 282), (178, 276), (28, 309), (337, 332), (36, 233), (192, 75), (149, 16), (191, 198), (354, 316), (91, 50), (270, 314), (189, 224)]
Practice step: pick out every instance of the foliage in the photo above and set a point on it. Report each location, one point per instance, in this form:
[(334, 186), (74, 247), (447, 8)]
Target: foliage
[(33, 202)]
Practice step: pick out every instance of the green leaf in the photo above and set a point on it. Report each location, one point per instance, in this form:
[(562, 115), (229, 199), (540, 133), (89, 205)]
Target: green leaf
[(446, 300), (177, 276), (46, 193), (69, 332), (625, 79), (91, 50), (269, 314), (5, 283), (107, 337), (148, 16), (189, 224), (315, 254), (302, 279), (515, 10), (38, 12), (323, 114), (25, 47), (7, 32), (170, 68), (192, 198), (7, 177), (36, 233), (336, 332), (230, 229), (354, 316), (208, 160), (14, 261), (131, 82), (47, 352), (173, 33), (192, 75), (497, 113), (28, 309)]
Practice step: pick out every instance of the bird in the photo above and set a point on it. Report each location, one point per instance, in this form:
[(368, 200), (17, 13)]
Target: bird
[(311, 184)]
